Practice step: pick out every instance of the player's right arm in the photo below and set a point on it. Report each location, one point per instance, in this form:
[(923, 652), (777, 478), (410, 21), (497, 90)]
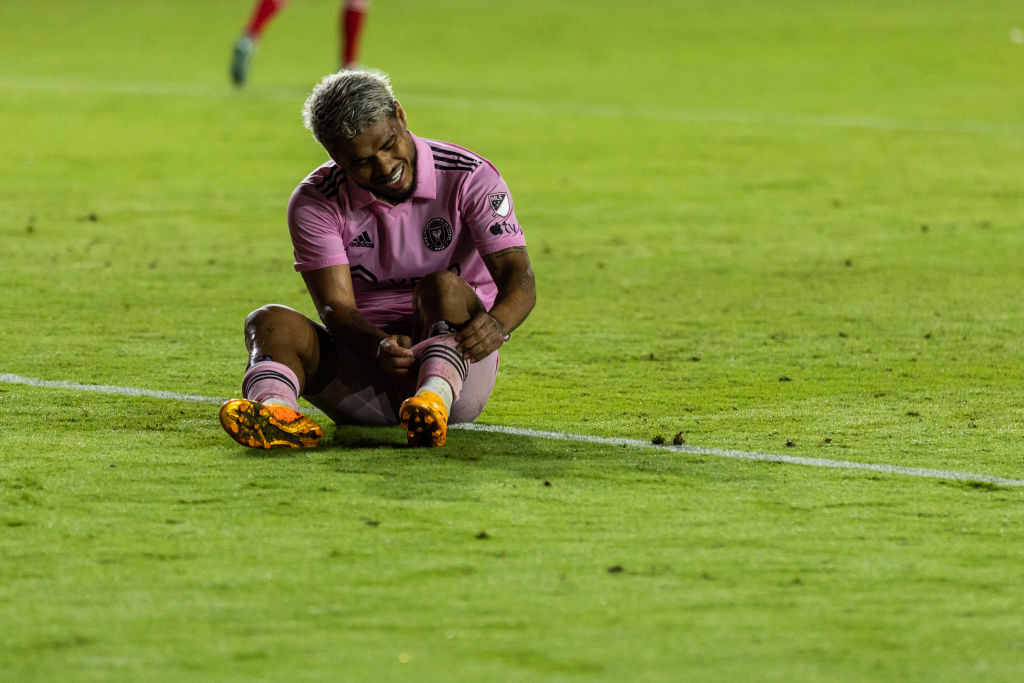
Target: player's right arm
[(333, 296)]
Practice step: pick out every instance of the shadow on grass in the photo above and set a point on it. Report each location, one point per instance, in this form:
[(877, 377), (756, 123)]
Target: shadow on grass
[(383, 450)]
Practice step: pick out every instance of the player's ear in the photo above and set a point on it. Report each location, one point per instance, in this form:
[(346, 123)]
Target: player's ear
[(400, 113)]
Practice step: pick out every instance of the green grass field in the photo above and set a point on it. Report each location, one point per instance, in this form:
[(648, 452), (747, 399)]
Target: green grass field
[(788, 228)]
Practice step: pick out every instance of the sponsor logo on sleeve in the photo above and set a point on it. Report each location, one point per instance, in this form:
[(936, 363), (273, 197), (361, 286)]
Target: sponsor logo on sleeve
[(506, 228), (500, 204), (437, 234)]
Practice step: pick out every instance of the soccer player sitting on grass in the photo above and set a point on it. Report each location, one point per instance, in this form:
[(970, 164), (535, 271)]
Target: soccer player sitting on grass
[(417, 266)]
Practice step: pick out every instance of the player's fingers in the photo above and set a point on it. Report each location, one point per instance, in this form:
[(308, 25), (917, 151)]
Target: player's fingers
[(397, 346), (398, 366), (481, 348), (404, 361), (403, 354), (474, 327), (470, 339)]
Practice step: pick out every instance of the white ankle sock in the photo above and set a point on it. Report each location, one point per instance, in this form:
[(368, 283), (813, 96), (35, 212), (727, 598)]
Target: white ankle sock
[(440, 387)]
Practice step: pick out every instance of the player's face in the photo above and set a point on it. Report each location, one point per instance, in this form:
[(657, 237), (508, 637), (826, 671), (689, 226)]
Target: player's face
[(381, 159)]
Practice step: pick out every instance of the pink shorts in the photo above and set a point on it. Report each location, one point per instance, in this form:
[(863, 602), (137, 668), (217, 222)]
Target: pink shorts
[(361, 393)]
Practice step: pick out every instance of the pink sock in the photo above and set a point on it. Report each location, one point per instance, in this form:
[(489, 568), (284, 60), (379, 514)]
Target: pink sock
[(269, 380), (439, 358)]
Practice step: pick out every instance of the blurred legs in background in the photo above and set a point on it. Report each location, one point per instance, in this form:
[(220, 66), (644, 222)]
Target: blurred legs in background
[(351, 17)]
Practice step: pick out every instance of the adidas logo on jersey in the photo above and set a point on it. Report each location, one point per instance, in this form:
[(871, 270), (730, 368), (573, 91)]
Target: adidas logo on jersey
[(363, 240)]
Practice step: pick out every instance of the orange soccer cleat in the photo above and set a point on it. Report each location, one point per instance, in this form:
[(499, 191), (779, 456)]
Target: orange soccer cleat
[(424, 418), (268, 425)]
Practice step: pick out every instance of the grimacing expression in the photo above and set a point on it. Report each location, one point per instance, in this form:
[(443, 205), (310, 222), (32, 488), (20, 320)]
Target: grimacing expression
[(381, 159)]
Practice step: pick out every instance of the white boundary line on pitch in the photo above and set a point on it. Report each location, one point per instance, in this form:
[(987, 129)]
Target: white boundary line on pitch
[(786, 119), (563, 436)]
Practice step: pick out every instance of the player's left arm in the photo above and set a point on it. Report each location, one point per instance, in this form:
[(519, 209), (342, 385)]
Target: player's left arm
[(517, 294)]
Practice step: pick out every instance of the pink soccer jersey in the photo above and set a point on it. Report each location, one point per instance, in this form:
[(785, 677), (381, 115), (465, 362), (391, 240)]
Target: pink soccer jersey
[(459, 210)]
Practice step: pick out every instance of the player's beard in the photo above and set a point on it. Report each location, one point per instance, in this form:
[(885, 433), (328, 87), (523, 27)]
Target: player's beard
[(402, 195)]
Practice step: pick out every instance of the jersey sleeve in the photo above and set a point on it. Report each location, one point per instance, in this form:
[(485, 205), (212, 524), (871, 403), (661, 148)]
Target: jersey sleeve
[(316, 228), (488, 211)]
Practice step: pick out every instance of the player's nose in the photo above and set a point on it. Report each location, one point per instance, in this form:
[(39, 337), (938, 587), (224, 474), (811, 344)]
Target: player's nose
[(383, 163)]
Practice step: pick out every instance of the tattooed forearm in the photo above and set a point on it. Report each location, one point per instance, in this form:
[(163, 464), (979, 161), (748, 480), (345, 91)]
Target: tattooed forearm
[(506, 252), (517, 289), (524, 281)]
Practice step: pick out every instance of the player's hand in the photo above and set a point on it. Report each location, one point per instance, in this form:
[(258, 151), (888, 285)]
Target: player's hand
[(481, 337), (395, 356)]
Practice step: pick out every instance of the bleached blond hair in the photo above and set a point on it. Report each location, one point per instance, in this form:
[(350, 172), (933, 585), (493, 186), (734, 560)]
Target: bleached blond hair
[(344, 104)]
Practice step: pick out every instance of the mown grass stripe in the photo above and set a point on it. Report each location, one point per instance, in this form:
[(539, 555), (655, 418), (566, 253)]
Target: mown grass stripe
[(747, 455), (106, 389), (60, 86), (6, 378)]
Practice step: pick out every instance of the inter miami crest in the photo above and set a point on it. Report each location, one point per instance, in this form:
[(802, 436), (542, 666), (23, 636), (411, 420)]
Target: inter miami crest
[(499, 203), (437, 234)]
